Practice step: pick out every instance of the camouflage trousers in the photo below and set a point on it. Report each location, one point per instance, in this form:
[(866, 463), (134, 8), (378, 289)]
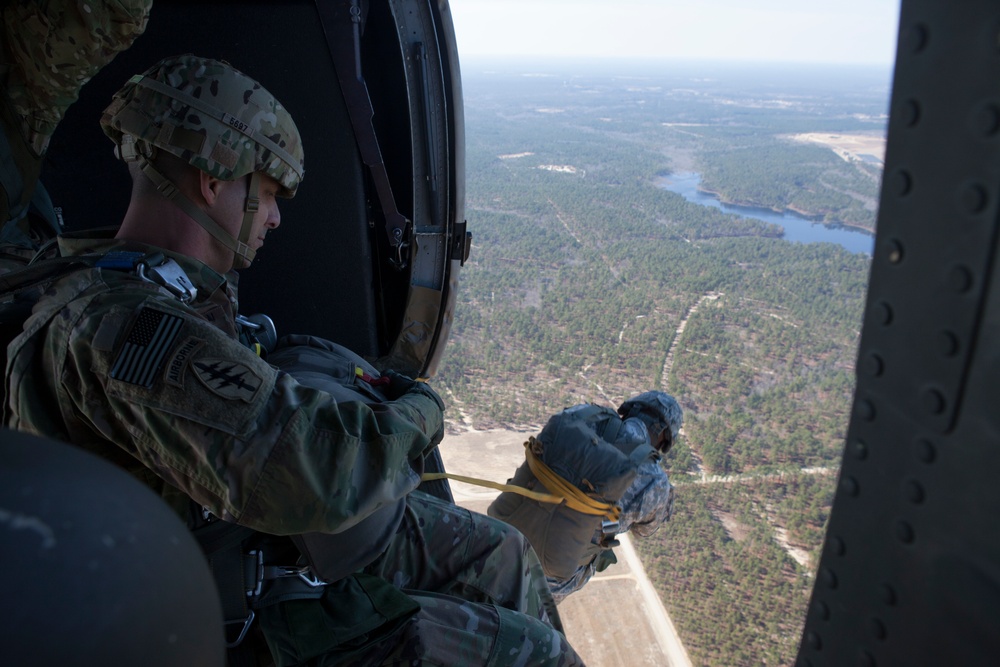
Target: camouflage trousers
[(453, 588)]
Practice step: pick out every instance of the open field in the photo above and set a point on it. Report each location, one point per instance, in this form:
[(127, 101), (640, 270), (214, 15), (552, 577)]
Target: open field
[(850, 147)]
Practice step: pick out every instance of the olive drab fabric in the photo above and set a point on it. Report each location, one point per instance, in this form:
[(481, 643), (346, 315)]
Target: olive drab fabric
[(610, 459), (577, 452), (645, 505), (121, 367), (481, 594), (212, 116), (443, 557), (347, 377)]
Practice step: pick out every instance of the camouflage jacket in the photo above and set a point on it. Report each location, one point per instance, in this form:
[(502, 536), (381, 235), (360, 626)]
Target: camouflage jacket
[(119, 366), (51, 48)]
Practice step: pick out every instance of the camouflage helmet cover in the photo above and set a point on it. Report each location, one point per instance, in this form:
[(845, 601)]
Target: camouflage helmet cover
[(657, 409), (211, 115)]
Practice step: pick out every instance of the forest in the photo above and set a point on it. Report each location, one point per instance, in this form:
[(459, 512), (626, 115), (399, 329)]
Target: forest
[(588, 283)]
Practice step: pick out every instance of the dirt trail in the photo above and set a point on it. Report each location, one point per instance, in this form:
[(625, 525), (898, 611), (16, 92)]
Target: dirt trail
[(669, 361), (679, 480), (801, 556), (668, 364)]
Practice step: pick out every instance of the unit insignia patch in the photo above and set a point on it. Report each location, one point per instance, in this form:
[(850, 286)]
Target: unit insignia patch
[(228, 379)]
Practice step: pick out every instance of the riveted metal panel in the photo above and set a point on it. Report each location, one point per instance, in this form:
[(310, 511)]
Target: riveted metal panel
[(910, 571)]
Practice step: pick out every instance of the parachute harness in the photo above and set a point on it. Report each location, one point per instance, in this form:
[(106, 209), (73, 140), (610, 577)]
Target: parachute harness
[(560, 491)]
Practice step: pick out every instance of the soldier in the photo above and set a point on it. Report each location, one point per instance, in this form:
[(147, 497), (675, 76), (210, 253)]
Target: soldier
[(610, 456), (137, 356)]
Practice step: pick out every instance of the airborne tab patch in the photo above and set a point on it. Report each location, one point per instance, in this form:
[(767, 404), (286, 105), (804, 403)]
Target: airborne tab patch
[(228, 379), (179, 359), (150, 339)]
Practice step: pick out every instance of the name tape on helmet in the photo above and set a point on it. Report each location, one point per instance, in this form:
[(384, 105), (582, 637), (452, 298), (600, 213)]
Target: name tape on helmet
[(238, 124), (219, 115)]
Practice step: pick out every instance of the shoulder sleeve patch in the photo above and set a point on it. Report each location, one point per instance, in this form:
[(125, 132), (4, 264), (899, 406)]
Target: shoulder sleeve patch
[(150, 339), (228, 379), (180, 359)]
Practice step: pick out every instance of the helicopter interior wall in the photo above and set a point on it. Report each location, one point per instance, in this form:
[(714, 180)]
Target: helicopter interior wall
[(315, 275), (910, 569)]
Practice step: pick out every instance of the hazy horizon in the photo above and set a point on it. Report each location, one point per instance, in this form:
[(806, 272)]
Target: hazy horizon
[(773, 31)]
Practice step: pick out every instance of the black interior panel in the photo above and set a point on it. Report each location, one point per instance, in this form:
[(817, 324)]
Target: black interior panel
[(315, 275), (910, 571)]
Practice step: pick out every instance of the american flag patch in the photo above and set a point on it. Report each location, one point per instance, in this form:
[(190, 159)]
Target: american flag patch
[(148, 343)]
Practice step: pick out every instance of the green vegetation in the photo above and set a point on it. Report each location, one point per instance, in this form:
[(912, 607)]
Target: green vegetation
[(588, 283), (734, 593), (808, 179)]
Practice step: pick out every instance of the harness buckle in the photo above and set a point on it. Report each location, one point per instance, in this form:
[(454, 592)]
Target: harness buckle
[(310, 578), (167, 274)]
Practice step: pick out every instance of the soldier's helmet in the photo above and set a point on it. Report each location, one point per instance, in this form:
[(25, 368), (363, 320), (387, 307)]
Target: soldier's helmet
[(211, 115), (659, 411)]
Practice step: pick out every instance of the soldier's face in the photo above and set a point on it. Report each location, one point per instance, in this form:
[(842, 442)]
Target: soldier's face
[(663, 440), (267, 217)]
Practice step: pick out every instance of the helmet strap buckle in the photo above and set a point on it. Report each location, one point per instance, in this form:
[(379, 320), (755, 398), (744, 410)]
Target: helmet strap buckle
[(131, 150)]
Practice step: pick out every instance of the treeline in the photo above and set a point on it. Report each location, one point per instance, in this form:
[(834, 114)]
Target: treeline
[(783, 175)]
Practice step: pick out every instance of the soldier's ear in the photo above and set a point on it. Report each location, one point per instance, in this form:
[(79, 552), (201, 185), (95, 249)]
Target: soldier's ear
[(210, 187)]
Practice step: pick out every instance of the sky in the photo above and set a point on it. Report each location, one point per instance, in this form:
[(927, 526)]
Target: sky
[(804, 31)]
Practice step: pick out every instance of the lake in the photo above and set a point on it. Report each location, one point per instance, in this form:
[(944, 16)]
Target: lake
[(797, 229)]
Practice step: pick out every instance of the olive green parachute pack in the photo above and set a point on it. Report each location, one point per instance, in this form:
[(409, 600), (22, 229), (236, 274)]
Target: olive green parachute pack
[(578, 453)]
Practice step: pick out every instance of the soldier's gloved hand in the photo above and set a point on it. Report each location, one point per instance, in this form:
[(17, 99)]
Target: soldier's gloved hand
[(400, 384)]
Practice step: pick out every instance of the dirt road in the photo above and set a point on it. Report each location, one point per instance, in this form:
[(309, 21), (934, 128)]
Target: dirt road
[(617, 619)]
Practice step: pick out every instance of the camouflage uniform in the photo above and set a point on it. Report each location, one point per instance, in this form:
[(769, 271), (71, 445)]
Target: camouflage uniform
[(480, 591), (199, 409), (122, 368), (49, 50), (53, 47)]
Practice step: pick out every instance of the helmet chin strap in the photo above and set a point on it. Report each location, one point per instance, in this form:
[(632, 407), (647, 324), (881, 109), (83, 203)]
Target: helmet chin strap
[(240, 247), (250, 208)]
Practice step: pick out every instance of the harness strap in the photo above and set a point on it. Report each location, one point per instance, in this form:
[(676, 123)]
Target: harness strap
[(237, 559), (11, 178), (562, 492), (575, 498), (520, 490), (250, 208), (341, 22)]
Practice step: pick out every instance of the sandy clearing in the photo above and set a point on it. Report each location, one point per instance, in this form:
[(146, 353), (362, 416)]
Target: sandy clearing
[(850, 147)]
